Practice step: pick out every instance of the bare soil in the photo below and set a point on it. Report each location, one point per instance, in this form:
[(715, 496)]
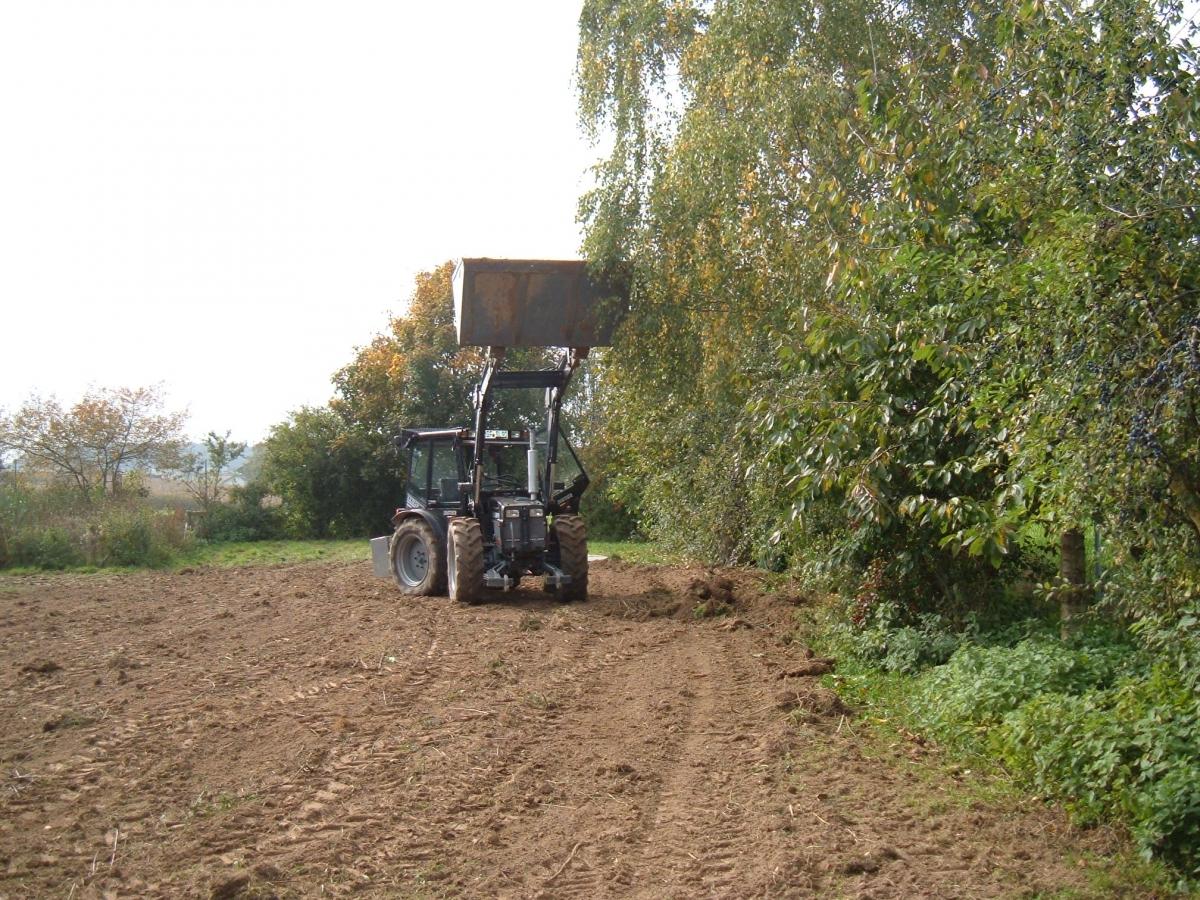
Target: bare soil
[(305, 730)]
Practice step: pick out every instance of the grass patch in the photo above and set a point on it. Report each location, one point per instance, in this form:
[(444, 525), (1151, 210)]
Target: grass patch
[(270, 553), (68, 719), (965, 725), (941, 786), (74, 570), (205, 806), (538, 700), (227, 555)]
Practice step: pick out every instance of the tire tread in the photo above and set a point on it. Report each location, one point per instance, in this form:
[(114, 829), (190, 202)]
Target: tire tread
[(571, 535), (465, 554)]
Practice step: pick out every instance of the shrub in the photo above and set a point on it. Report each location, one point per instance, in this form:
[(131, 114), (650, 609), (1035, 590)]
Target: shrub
[(1092, 723), (46, 528), (886, 640), (1132, 751), (244, 518), (1174, 638), (44, 548), (607, 520), (134, 534), (980, 685)]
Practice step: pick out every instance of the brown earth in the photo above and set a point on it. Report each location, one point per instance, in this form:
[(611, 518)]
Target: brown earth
[(305, 730)]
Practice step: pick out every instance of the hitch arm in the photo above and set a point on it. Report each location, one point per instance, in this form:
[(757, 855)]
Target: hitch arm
[(483, 403), (567, 365)]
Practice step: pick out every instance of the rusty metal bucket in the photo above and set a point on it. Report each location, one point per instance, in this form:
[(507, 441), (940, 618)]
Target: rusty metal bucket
[(533, 303)]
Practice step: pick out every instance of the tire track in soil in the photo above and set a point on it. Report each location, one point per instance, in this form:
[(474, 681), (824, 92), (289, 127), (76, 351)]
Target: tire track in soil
[(699, 833), (308, 728)]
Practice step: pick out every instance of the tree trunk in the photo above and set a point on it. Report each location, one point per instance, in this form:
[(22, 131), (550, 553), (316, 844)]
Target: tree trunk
[(1073, 578), (1187, 498)]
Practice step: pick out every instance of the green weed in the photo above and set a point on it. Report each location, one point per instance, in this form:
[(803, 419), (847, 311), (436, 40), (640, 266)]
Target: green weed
[(270, 553), (538, 700)]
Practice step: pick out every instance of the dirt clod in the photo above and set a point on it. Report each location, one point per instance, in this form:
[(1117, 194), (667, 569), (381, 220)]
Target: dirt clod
[(810, 669), (813, 699), (41, 667), (859, 865), (230, 887), (119, 659)]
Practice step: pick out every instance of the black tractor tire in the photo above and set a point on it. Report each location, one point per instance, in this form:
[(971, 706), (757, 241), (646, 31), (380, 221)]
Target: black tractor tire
[(417, 561), (570, 534), (464, 557)]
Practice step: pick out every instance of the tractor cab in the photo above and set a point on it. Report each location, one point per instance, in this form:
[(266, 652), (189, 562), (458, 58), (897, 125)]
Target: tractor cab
[(439, 464), (435, 468)]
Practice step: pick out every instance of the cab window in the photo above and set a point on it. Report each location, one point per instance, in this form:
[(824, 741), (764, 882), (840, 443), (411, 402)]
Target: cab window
[(444, 486), (418, 474)]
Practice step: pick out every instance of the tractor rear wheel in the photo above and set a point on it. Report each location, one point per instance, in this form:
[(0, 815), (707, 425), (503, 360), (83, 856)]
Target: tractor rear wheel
[(464, 556), (570, 534), (416, 559)]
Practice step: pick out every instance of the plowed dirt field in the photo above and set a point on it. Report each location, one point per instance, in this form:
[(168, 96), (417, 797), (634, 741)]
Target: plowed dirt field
[(304, 731)]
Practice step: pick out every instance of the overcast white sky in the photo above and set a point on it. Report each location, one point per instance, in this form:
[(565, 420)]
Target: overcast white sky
[(229, 197)]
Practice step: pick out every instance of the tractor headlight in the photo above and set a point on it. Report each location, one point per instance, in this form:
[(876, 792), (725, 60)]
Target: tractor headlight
[(536, 512), (512, 513)]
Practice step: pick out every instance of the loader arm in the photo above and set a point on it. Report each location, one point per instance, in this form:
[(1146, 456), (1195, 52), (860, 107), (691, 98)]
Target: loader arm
[(554, 381)]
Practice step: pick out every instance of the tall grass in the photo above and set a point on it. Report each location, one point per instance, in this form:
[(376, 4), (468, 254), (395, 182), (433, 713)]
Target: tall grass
[(47, 527)]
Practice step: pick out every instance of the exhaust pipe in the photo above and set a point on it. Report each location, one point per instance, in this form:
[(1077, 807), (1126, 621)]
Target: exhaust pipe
[(531, 458)]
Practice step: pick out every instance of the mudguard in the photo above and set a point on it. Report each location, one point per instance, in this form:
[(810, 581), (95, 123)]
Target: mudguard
[(437, 522)]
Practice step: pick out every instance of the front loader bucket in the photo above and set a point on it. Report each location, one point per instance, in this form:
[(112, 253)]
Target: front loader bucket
[(533, 303)]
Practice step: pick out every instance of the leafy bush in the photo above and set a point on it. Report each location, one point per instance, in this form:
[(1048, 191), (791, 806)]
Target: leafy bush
[(911, 611), (137, 535), (607, 519), (46, 548), (886, 641), (1132, 751), (1174, 638), (244, 518), (47, 528), (708, 510), (1092, 723), (330, 476), (980, 685)]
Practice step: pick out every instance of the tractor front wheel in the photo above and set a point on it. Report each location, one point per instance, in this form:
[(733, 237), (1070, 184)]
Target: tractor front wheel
[(464, 555), (570, 534)]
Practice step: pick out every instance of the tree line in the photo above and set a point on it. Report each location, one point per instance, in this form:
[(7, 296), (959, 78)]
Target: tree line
[(916, 316), (74, 480)]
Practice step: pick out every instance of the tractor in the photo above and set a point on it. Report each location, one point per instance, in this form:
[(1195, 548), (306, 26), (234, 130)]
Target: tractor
[(486, 507)]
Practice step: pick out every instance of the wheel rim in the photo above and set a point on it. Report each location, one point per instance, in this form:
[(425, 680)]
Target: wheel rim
[(451, 581), (412, 560)]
